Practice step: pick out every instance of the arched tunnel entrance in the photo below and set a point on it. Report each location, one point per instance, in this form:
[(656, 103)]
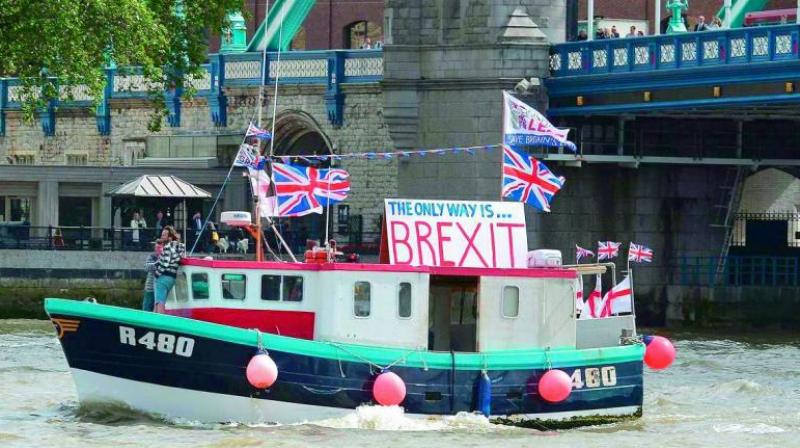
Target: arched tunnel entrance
[(767, 222)]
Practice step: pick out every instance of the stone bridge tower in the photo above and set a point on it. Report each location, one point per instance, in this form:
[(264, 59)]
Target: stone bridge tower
[(446, 63)]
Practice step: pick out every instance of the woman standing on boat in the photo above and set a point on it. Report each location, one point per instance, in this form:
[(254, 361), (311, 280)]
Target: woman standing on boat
[(167, 266)]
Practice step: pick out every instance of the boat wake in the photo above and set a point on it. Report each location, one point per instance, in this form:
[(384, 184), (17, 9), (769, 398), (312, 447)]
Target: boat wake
[(758, 428), (393, 418), (115, 414)]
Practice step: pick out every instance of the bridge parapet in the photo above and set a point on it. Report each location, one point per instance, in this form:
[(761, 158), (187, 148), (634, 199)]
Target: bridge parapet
[(331, 69), (675, 51)]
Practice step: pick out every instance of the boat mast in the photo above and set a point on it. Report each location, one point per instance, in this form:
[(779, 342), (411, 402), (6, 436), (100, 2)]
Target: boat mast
[(256, 205), (272, 139)]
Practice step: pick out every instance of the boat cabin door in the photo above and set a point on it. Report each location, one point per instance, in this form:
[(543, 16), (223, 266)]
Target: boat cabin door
[(453, 314)]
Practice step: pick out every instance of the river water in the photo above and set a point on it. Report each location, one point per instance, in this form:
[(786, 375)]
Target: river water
[(724, 391)]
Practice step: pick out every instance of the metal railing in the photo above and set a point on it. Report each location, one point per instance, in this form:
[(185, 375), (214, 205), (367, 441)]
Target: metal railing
[(330, 68), (86, 238), (740, 224), (739, 271), (675, 51)]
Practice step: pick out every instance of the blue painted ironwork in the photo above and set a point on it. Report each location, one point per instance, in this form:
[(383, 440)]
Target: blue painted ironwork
[(217, 101), (708, 58), (103, 111), (47, 117), (334, 98), (172, 99), (668, 52), (331, 69)]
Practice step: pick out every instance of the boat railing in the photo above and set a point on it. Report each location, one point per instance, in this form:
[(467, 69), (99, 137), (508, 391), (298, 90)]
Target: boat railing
[(595, 269)]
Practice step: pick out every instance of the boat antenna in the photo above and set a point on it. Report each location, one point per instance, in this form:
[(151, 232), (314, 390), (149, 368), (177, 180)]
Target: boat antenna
[(256, 206), (328, 199)]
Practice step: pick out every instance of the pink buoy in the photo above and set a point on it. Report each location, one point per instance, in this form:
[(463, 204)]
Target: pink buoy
[(262, 371), (659, 353), (555, 386), (389, 389)]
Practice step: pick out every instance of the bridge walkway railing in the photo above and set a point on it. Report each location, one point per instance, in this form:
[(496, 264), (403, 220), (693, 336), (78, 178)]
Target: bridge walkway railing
[(675, 51)]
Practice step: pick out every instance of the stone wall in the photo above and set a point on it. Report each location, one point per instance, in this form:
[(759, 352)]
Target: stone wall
[(667, 208), (27, 277), (736, 308), (772, 191), (444, 73), (364, 129)]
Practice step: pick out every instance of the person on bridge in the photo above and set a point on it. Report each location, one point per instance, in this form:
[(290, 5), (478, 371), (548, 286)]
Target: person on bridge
[(632, 32), (701, 24)]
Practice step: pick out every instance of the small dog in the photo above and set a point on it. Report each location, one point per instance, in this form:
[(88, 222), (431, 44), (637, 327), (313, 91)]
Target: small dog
[(223, 245), (242, 245)]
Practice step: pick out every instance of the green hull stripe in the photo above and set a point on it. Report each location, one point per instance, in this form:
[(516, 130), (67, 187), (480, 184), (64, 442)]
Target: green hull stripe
[(382, 356)]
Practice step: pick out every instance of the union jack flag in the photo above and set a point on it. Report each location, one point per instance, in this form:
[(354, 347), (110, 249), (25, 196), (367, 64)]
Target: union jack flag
[(253, 130), (528, 180), (607, 250), (639, 253), (305, 190), (582, 253)]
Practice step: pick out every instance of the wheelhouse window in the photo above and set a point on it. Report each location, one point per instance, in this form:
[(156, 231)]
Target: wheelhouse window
[(181, 288), (404, 301), (510, 301), (292, 288), (288, 288), (199, 286), (362, 299), (270, 287), (234, 286)]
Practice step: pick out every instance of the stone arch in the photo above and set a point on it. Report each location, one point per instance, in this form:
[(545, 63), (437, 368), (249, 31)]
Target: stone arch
[(770, 194), (770, 190), (299, 134)]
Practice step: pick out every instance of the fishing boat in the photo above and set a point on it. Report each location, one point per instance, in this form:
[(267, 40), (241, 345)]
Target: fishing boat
[(456, 316), (454, 339)]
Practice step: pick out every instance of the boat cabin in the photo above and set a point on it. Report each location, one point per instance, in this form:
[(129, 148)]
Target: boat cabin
[(427, 308)]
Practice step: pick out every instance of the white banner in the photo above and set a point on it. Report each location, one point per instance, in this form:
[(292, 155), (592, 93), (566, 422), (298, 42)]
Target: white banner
[(524, 125), (456, 233)]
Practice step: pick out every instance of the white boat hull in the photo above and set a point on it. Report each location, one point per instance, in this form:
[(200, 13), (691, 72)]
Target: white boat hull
[(192, 405)]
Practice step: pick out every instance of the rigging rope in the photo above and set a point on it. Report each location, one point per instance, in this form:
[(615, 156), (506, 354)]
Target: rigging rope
[(403, 358)]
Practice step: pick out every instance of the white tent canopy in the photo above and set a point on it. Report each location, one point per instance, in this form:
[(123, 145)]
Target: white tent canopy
[(160, 186)]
